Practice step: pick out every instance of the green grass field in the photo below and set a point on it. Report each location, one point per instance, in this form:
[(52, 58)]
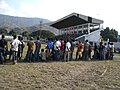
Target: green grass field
[(74, 75)]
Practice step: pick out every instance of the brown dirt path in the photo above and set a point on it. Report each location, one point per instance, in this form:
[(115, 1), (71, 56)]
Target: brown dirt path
[(79, 75)]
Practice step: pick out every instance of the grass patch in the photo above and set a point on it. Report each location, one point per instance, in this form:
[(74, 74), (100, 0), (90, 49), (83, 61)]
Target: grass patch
[(74, 75), (117, 54)]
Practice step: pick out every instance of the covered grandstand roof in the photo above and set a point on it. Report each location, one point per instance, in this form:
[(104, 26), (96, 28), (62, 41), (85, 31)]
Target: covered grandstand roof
[(73, 20)]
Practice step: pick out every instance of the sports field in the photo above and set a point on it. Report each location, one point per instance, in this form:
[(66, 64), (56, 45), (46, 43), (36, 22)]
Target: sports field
[(74, 75)]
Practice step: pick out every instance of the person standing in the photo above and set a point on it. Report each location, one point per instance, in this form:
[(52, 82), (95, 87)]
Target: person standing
[(95, 51), (112, 51), (20, 48), (90, 51), (57, 46), (29, 55), (101, 47), (10, 53), (67, 52), (86, 50), (37, 49), (15, 44), (108, 51), (105, 51), (62, 49), (50, 45), (73, 45), (79, 50), (3, 47)]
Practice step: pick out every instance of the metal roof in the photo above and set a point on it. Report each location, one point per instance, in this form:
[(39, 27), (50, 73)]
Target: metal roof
[(73, 20)]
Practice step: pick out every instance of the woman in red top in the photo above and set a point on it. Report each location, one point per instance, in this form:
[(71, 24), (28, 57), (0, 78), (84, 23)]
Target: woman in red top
[(79, 50)]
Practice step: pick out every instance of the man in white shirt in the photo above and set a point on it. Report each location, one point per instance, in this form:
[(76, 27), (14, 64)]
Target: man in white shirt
[(15, 43), (112, 51), (57, 46), (67, 51)]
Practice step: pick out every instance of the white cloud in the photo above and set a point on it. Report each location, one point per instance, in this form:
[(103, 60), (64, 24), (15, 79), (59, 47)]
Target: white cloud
[(26, 10), (5, 8), (107, 10), (50, 9)]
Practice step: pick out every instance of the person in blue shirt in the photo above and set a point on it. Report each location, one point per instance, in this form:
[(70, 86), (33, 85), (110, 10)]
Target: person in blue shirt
[(50, 45)]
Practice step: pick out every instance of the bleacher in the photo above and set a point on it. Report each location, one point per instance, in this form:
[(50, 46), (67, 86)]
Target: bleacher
[(75, 35)]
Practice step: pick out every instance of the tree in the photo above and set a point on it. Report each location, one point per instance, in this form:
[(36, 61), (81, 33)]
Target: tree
[(3, 31), (35, 33), (47, 34), (12, 32), (26, 33), (109, 33), (44, 34)]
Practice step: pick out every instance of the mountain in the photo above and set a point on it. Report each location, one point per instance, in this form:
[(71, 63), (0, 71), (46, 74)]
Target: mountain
[(21, 24), (12, 21), (43, 27)]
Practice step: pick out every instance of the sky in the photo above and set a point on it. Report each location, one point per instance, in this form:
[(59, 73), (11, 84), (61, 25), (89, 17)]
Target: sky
[(106, 10)]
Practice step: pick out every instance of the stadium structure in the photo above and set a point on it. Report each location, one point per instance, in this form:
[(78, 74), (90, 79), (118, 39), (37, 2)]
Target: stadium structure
[(79, 27)]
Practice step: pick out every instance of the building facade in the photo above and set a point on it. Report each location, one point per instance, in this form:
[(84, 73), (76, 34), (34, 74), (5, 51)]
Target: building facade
[(79, 26)]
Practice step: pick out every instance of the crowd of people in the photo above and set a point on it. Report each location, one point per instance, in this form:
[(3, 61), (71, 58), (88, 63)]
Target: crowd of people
[(57, 50)]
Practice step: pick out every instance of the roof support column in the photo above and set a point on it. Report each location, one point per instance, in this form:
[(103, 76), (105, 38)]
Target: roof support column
[(99, 26), (88, 28), (82, 29), (59, 32)]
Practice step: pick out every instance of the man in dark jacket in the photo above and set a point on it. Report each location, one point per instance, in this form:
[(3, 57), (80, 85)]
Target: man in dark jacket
[(3, 46)]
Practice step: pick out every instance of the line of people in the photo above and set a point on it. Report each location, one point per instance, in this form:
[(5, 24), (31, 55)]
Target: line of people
[(63, 50), (58, 50), (104, 51), (15, 51)]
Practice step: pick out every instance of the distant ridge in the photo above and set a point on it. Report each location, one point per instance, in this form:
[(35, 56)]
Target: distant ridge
[(13, 21), (21, 24)]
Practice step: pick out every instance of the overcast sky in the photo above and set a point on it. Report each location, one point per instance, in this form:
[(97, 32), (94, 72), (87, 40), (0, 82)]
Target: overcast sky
[(106, 10)]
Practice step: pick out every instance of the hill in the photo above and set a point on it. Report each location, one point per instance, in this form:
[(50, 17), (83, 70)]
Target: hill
[(43, 27), (12, 21), (21, 24)]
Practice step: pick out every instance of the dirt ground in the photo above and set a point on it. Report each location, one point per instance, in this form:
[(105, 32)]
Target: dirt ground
[(74, 75)]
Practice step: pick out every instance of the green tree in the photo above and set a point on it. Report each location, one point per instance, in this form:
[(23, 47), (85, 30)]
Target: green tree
[(26, 33), (42, 34), (12, 32), (109, 33), (3, 31), (35, 33), (47, 34)]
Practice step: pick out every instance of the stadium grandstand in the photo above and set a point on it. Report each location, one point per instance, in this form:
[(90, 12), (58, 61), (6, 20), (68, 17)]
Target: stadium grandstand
[(78, 27)]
